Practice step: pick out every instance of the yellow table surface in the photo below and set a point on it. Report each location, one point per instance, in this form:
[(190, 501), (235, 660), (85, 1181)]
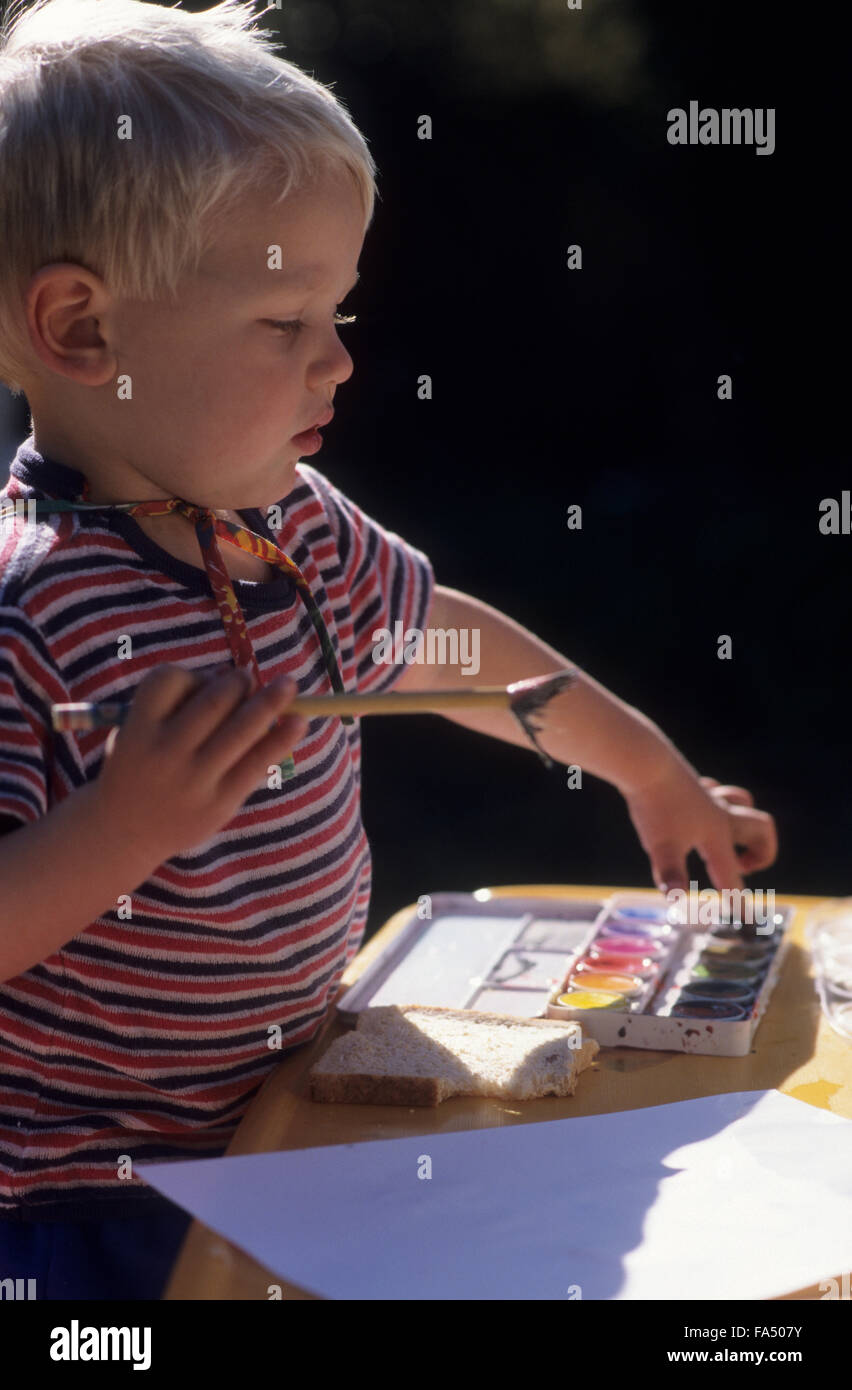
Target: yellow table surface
[(796, 1052)]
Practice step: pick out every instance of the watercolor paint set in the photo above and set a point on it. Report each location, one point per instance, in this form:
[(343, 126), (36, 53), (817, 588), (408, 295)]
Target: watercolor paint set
[(629, 967), (648, 978)]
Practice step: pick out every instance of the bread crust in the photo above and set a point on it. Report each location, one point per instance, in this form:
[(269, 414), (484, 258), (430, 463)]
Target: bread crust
[(358, 1088)]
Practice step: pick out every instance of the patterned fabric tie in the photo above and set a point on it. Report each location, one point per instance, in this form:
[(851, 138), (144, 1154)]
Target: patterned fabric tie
[(209, 528)]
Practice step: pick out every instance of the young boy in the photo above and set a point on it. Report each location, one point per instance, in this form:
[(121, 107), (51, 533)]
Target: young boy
[(175, 911)]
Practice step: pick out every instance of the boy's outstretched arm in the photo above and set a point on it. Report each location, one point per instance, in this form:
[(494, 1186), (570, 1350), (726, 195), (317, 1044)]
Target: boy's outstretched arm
[(672, 808)]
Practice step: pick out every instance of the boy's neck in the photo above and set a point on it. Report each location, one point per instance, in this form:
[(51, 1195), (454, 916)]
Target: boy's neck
[(109, 482), (176, 534), (173, 532)]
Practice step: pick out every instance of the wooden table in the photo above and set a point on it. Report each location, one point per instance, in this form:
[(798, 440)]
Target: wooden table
[(796, 1052)]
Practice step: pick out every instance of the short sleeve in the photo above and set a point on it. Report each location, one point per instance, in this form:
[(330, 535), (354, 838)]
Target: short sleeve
[(390, 584), (24, 721)]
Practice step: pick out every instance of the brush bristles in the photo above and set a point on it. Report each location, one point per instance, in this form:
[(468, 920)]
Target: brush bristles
[(529, 702)]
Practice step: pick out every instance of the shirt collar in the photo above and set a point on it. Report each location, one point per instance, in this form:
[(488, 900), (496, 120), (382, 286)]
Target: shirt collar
[(46, 475)]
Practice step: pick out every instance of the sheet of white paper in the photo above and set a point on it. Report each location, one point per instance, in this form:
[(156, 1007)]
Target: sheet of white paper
[(735, 1196)]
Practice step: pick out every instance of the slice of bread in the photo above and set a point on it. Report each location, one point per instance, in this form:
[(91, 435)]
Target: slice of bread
[(417, 1054)]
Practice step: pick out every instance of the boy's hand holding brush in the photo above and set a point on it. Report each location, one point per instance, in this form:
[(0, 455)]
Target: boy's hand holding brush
[(191, 751)]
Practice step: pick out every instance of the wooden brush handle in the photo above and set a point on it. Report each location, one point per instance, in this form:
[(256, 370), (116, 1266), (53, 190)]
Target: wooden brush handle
[(402, 702)]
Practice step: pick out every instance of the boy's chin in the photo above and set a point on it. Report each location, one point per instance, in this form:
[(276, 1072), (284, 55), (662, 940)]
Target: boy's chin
[(285, 479)]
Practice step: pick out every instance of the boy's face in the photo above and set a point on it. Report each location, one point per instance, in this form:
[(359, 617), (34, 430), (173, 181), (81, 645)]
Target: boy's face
[(218, 391)]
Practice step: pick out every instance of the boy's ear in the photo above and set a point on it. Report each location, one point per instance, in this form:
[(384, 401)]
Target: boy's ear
[(65, 306)]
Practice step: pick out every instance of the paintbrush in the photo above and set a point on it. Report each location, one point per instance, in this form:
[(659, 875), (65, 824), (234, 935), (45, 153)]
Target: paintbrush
[(525, 699)]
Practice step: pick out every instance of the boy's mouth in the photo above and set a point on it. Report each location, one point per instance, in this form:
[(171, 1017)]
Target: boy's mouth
[(310, 440), (318, 424)]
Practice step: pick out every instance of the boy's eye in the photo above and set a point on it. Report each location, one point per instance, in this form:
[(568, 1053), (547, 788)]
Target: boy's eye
[(295, 326)]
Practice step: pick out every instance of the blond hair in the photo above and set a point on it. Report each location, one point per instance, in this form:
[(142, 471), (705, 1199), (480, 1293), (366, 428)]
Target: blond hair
[(215, 113)]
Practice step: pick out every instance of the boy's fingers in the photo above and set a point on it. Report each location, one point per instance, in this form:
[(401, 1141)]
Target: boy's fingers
[(253, 766), (239, 736), (668, 866), (211, 673), (736, 796), (723, 866), (198, 720), (755, 831), (162, 691), (740, 796)]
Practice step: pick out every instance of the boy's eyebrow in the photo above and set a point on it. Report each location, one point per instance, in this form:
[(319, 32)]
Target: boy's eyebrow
[(304, 277)]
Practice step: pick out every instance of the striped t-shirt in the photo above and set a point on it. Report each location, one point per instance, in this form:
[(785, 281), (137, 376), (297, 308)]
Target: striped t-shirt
[(146, 1036)]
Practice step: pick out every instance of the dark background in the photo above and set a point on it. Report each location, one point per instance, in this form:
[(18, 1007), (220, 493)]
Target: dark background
[(598, 387)]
